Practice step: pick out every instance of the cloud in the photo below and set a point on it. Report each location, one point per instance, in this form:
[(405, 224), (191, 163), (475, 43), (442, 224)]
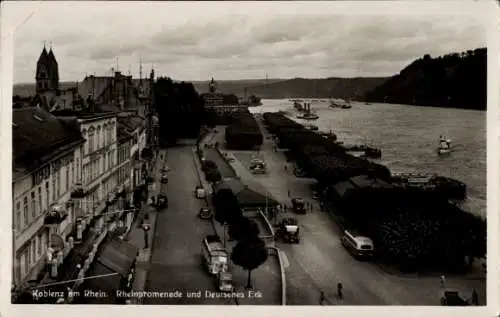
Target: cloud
[(231, 40)]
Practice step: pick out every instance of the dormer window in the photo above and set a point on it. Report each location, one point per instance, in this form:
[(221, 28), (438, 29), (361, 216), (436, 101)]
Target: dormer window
[(43, 75)]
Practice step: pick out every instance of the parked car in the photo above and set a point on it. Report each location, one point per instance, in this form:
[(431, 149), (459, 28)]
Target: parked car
[(165, 169), (164, 179), (258, 170), (298, 205), (205, 213), (162, 201), (200, 192)]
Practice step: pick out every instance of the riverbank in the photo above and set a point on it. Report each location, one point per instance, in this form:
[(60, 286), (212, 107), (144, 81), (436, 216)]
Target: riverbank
[(410, 144)]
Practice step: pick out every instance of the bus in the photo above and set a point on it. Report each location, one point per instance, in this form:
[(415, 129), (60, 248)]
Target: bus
[(215, 256), (359, 246)]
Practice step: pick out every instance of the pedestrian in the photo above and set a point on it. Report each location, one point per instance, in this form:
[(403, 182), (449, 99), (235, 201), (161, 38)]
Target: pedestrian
[(288, 193), (475, 298), (339, 290), (321, 298), (442, 280), (286, 168)]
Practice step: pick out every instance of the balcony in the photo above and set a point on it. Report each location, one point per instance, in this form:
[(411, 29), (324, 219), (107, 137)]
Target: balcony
[(56, 215), (78, 191)]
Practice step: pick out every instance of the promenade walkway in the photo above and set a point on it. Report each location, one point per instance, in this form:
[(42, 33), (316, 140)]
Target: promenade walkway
[(266, 280)]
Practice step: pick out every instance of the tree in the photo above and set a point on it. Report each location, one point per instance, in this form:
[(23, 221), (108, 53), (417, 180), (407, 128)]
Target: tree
[(243, 228), (227, 208), (249, 254)]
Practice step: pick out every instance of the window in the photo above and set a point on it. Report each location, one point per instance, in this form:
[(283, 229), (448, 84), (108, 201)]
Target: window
[(33, 205), (77, 168), (99, 137), (28, 257), (26, 262), (25, 206), (67, 178), (18, 215), (72, 174), (33, 250), (39, 245), (106, 134), (47, 194), (58, 183), (91, 141), (53, 187), (40, 206)]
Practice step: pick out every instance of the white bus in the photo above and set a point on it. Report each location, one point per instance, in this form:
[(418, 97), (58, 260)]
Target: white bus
[(357, 245), (215, 256)]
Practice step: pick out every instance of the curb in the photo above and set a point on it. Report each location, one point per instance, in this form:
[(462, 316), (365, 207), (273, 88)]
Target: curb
[(277, 252)]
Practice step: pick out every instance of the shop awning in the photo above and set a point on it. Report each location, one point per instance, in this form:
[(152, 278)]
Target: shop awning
[(117, 255), (111, 265)]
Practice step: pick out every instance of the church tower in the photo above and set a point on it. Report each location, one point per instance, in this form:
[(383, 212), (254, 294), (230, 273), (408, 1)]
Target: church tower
[(47, 73)]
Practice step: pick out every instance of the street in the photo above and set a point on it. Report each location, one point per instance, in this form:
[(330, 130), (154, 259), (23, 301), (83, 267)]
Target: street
[(176, 251), (319, 262)]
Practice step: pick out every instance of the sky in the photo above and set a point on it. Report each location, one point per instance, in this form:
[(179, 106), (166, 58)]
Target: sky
[(196, 41)]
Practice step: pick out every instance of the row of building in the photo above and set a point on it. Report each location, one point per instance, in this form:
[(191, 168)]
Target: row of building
[(77, 165)]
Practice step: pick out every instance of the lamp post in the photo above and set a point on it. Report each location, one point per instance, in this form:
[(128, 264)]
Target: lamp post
[(146, 228)]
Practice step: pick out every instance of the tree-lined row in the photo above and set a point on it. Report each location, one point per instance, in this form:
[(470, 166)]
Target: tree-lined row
[(319, 156), (243, 133), (212, 173)]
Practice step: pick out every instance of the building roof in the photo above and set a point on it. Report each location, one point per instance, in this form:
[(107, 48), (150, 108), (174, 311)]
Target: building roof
[(83, 115), (38, 136), (249, 194), (93, 86), (132, 122)]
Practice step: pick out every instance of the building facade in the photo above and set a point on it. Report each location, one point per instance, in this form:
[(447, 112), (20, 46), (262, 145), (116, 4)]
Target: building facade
[(43, 216)]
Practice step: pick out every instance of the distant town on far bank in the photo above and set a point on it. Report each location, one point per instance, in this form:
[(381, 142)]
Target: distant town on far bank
[(455, 80)]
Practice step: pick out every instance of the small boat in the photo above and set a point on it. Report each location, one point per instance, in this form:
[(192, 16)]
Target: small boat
[(443, 151), (310, 116), (345, 105), (444, 147)]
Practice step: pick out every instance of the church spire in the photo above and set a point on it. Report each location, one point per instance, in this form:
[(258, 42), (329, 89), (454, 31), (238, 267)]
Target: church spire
[(140, 68)]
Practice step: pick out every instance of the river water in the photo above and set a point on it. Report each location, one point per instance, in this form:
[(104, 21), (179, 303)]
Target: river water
[(408, 137)]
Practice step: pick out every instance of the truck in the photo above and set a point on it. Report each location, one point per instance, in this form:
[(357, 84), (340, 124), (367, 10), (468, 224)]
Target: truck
[(215, 256), (288, 230)]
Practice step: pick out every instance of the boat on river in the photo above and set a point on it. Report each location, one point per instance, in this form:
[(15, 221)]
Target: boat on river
[(310, 116), (336, 105)]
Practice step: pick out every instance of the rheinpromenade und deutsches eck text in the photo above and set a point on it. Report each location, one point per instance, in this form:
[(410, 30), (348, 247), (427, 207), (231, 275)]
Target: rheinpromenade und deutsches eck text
[(176, 294)]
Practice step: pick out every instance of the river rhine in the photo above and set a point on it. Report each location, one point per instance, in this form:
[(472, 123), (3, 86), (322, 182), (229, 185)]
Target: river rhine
[(408, 137)]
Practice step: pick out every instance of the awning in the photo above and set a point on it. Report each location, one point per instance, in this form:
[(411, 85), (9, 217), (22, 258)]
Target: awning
[(111, 265), (99, 278), (117, 255)]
